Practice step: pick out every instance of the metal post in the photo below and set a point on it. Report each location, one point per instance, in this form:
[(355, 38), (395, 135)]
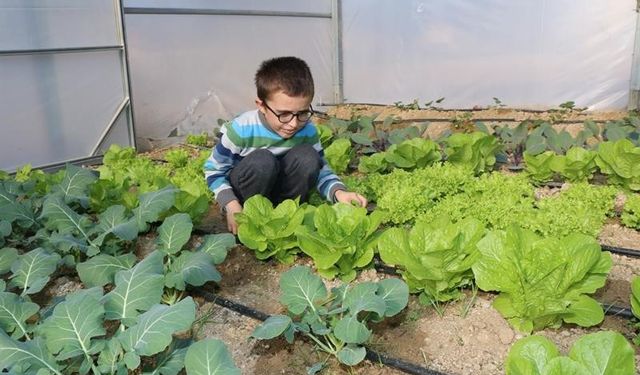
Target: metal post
[(127, 77), (336, 28), (634, 89)]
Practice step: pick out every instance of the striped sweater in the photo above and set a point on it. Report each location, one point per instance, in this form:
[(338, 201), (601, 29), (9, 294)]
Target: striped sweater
[(247, 133)]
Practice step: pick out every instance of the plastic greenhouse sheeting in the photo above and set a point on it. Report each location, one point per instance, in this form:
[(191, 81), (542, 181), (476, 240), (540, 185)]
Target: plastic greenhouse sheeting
[(188, 71), (191, 70), (61, 73), (533, 53)]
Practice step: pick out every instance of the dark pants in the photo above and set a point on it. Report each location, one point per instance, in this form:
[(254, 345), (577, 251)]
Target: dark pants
[(278, 178)]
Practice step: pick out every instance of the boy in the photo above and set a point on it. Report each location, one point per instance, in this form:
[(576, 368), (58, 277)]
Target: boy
[(274, 150)]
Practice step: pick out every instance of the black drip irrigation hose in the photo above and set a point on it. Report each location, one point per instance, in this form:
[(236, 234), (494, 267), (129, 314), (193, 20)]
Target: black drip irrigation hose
[(621, 251), (617, 311), (609, 309), (371, 355)]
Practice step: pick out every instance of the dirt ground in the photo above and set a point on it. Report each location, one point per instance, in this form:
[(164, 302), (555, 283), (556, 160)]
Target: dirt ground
[(470, 337)]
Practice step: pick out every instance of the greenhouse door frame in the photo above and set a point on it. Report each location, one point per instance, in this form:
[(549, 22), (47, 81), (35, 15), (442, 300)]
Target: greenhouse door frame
[(126, 105)]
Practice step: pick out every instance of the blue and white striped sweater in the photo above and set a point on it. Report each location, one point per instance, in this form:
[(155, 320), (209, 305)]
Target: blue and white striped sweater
[(245, 134)]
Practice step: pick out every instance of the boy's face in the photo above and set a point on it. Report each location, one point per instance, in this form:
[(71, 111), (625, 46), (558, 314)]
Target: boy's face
[(284, 105)]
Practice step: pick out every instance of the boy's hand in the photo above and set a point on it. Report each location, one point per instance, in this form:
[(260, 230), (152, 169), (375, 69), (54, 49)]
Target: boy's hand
[(350, 198), (232, 208)]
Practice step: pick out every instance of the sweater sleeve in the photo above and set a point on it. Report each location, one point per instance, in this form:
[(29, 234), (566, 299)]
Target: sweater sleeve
[(223, 157), (328, 181)]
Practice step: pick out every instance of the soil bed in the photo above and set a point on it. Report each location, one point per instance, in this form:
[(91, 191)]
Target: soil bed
[(470, 337)]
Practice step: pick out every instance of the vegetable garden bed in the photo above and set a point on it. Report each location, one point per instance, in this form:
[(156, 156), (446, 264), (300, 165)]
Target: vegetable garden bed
[(489, 257)]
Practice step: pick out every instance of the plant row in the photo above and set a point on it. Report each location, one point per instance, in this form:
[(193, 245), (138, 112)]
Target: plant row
[(128, 311)]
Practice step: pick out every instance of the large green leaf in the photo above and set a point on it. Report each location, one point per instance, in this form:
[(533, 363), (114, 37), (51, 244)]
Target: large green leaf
[(110, 359), (272, 327), (543, 280), (635, 296), (101, 269), (351, 355), (605, 353), (61, 217), (75, 184), (11, 210), (217, 245), (174, 233), (32, 270), (395, 294), (351, 331), (301, 289), (363, 297), (565, 366), (8, 255), (153, 330), (136, 289), (152, 205), (209, 357), (170, 363), (193, 268), (31, 354), (114, 220), (530, 355), (70, 330), (14, 312)]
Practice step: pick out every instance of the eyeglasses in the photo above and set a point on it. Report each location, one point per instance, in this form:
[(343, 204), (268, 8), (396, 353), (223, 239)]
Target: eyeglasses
[(285, 117)]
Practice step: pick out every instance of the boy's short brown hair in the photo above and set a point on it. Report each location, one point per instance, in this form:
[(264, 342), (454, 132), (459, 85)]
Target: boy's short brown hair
[(288, 74)]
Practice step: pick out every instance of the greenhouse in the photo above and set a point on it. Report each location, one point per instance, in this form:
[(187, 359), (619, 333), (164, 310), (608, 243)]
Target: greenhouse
[(319, 187)]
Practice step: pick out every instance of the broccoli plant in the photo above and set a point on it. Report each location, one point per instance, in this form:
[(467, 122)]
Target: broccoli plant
[(336, 322)]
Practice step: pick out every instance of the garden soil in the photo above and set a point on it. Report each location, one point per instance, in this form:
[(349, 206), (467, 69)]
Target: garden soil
[(464, 337)]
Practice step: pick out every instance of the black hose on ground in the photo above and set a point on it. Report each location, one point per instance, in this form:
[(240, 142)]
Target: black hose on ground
[(621, 251), (399, 364), (617, 311), (371, 355)]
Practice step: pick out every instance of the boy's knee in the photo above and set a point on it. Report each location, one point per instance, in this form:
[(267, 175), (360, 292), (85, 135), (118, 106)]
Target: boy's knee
[(305, 157), (261, 164)]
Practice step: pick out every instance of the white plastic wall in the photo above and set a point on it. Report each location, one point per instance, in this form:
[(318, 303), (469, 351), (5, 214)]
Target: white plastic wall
[(529, 53), (55, 106), (188, 71)]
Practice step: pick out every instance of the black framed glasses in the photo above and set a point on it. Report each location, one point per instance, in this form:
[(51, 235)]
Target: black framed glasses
[(285, 117)]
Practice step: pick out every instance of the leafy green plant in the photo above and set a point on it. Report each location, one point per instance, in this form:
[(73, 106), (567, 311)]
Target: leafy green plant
[(542, 281), (209, 357), (201, 139), (413, 105), (338, 155), (476, 150), (336, 321), (125, 175), (496, 199), (403, 196), (177, 157), (270, 231), (605, 353), (631, 214), (413, 153), (538, 167), (620, 160), (435, 258), (634, 298), (374, 163), (341, 239), (581, 208), (578, 165)]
